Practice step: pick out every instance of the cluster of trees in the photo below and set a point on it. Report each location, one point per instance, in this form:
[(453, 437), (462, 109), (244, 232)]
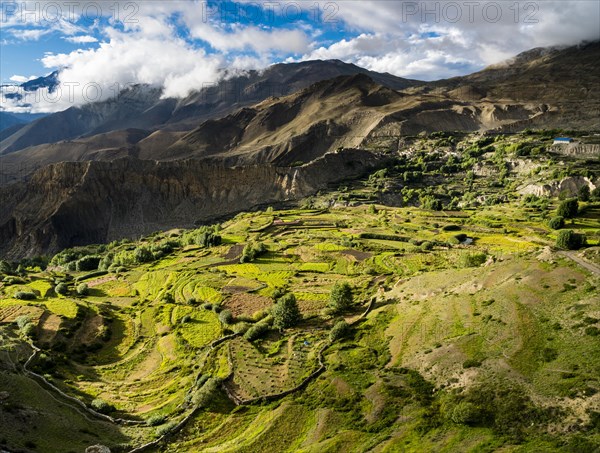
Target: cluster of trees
[(207, 236), (568, 209), (25, 325), (252, 251), (569, 240)]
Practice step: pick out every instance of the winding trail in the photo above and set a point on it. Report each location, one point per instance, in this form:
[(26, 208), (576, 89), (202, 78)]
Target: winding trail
[(593, 268)]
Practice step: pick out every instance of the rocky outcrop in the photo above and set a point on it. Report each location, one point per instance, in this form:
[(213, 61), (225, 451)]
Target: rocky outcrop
[(75, 203), (568, 186)]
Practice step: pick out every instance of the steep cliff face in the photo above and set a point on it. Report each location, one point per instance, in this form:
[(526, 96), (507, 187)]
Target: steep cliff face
[(74, 203)]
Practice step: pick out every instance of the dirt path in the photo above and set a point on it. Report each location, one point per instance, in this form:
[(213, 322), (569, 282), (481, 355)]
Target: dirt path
[(593, 268)]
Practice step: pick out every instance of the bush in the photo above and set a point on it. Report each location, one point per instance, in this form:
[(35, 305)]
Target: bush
[(341, 297), (83, 289), (257, 331), (450, 228), (426, 246), (286, 312), (471, 363), (252, 251), (207, 393), (465, 413), (165, 429), (568, 208), (569, 240), (472, 259), (584, 193), (500, 405), (22, 321), (241, 327), (25, 295), (340, 330), (142, 254), (207, 237), (101, 406), (226, 317), (61, 288), (155, 420), (556, 223), (5, 267), (87, 263)]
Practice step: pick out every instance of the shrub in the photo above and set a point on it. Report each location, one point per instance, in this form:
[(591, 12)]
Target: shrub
[(341, 297), (257, 331), (592, 331), (502, 406), (568, 208), (471, 363), (252, 251), (556, 223), (286, 312), (241, 327), (207, 393), (25, 295), (569, 240), (426, 246), (472, 259), (226, 317), (5, 267), (83, 289), (22, 321), (87, 263), (465, 413), (340, 330), (450, 228), (207, 239), (61, 288), (165, 429), (584, 193), (142, 254), (155, 420), (101, 406)]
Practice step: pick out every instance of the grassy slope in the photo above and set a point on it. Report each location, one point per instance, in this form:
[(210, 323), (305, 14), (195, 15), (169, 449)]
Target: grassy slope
[(522, 316)]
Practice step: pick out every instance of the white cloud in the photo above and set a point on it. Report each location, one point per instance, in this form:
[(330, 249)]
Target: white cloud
[(163, 44), (32, 34), (21, 79), (84, 39)]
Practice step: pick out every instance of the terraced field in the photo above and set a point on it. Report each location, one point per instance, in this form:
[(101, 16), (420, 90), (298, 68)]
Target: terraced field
[(444, 303)]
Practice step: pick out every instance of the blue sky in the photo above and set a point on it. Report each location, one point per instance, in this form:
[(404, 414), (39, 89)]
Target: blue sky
[(182, 45)]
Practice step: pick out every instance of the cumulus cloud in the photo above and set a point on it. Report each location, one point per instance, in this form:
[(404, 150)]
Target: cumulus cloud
[(180, 46), (433, 40)]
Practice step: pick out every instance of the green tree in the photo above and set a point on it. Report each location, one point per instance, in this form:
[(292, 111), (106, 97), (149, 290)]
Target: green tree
[(340, 330), (5, 267), (568, 208), (569, 240), (83, 289), (226, 317), (61, 288), (556, 223), (142, 254), (286, 312), (341, 297), (584, 193)]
